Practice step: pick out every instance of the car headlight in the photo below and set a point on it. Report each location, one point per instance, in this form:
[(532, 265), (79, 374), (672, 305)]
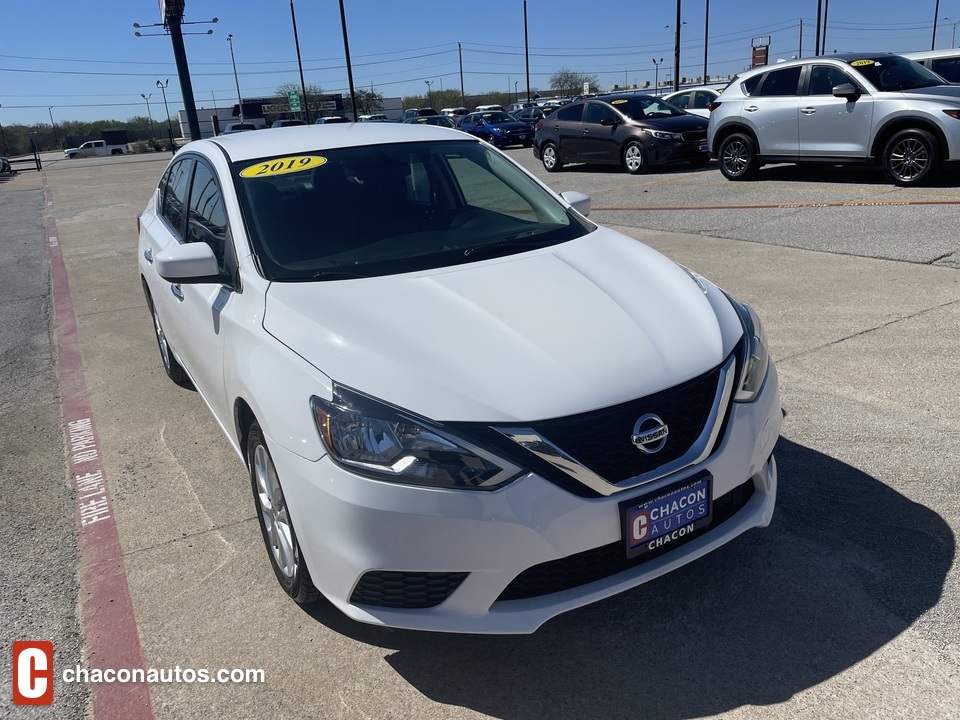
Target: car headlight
[(755, 357), (661, 135), (372, 438)]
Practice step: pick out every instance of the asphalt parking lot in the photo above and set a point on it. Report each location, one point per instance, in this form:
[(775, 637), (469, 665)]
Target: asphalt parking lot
[(846, 607)]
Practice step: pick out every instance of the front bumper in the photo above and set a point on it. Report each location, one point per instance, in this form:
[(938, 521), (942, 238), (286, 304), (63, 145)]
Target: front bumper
[(478, 543)]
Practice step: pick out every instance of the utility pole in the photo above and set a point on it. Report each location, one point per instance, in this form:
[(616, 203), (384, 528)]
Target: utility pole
[(463, 100), (56, 137), (303, 85), (676, 53), (153, 133), (346, 54), (526, 47), (236, 80)]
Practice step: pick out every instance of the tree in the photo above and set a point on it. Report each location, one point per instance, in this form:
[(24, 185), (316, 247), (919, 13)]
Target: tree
[(568, 83), (368, 101)]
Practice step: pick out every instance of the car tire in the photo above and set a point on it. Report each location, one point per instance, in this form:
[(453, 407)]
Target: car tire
[(910, 157), (275, 523), (528, 143), (738, 157), (635, 158), (173, 369), (550, 157), (490, 138)]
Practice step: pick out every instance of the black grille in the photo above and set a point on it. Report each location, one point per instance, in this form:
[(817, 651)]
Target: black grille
[(386, 588), (601, 440), (694, 135), (602, 562)]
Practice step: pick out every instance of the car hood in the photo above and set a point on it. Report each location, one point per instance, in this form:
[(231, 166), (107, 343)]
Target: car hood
[(937, 91), (512, 125), (547, 333), (677, 123)]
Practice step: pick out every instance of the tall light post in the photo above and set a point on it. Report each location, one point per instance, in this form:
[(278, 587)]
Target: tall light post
[(656, 75), (706, 39), (153, 133), (166, 109), (526, 47), (429, 87), (236, 80), (953, 23), (936, 14), (516, 92), (676, 49), (303, 85), (56, 136), (346, 56)]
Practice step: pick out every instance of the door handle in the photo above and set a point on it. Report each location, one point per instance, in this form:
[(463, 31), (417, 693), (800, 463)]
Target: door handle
[(752, 108), (808, 110), (177, 292), (148, 255), (585, 131)]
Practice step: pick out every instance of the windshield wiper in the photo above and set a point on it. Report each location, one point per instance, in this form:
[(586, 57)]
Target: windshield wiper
[(527, 239)]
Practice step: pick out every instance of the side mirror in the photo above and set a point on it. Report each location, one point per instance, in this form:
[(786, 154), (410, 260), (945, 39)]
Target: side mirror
[(190, 263), (609, 122), (580, 202), (847, 90)]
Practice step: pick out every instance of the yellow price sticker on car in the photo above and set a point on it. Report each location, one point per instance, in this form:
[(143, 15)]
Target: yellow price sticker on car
[(861, 63), (282, 166), (617, 102)]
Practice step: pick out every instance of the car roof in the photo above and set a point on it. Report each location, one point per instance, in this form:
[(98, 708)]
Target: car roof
[(846, 58), (291, 140)]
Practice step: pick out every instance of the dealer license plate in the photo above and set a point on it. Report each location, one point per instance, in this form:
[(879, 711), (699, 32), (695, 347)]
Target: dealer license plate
[(703, 146), (658, 520)]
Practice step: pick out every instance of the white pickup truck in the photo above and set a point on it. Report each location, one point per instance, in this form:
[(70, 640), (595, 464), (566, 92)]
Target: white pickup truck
[(95, 147)]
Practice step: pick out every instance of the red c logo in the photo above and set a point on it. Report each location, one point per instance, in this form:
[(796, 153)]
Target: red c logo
[(32, 672)]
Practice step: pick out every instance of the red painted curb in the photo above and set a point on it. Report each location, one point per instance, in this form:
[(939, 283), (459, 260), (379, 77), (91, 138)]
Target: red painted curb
[(112, 638)]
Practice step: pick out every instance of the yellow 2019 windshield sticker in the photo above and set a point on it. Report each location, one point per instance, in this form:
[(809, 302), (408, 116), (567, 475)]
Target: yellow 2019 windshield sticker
[(282, 166), (861, 63), (617, 102)]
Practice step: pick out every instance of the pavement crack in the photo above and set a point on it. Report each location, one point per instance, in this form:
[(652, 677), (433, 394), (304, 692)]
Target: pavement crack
[(941, 257), (189, 536), (867, 331)]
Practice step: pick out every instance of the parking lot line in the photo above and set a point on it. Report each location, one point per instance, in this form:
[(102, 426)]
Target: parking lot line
[(110, 627)]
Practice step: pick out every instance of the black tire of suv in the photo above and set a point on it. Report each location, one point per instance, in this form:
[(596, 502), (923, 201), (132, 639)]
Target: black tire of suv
[(910, 157), (738, 157)]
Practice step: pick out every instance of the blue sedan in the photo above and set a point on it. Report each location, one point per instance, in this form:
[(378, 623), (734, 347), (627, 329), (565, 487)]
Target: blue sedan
[(498, 128)]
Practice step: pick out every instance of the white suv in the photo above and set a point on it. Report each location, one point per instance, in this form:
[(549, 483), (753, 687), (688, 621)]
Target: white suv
[(851, 108)]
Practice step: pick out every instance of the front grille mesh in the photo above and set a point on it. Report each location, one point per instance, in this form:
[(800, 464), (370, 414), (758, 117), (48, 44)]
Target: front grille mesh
[(601, 440), (394, 589)]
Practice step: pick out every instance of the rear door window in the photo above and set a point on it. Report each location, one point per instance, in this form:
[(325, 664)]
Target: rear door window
[(781, 82), (570, 113), (175, 195)]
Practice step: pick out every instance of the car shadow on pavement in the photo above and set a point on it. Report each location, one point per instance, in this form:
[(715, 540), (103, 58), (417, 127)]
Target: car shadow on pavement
[(846, 566), (845, 175)]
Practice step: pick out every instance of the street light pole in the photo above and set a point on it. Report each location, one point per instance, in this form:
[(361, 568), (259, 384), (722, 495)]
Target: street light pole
[(526, 47), (676, 52), (56, 137), (936, 14), (153, 133), (303, 85), (656, 81), (429, 87), (954, 23), (235, 79), (346, 55), (166, 109), (706, 40)]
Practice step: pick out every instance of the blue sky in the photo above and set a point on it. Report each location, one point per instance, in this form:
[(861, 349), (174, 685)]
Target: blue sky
[(84, 60)]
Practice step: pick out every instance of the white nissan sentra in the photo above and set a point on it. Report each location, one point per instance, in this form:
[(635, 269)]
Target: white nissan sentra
[(463, 406)]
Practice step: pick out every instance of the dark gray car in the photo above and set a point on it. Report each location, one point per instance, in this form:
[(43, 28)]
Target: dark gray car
[(633, 130)]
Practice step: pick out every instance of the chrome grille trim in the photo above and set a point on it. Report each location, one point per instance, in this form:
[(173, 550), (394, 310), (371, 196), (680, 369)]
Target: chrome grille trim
[(534, 442)]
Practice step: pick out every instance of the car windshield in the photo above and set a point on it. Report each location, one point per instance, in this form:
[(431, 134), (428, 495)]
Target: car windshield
[(645, 107), (893, 72), (387, 209)]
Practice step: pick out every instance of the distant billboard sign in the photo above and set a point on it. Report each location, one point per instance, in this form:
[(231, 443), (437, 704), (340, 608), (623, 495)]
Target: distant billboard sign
[(170, 7)]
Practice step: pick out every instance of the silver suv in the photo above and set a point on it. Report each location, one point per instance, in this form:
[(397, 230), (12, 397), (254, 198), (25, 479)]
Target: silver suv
[(850, 108)]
